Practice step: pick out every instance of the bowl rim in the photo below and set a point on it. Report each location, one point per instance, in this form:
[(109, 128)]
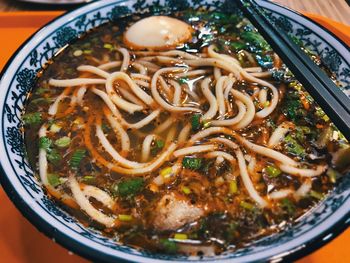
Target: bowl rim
[(91, 253)]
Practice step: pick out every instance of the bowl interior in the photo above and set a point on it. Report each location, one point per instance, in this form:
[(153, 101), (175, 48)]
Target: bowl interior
[(25, 190)]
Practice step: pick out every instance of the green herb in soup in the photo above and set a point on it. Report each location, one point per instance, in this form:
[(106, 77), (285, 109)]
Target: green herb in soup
[(180, 135)]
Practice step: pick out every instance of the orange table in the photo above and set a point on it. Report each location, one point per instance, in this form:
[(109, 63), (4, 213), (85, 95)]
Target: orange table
[(21, 242)]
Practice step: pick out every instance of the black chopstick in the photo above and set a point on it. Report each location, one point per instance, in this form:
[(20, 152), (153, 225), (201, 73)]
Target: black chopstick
[(328, 96)]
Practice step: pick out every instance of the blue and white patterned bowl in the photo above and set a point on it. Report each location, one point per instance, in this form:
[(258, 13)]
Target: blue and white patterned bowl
[(311, 231)]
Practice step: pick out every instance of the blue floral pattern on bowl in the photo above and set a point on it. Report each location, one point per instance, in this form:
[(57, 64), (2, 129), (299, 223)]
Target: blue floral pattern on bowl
[(23, 187)]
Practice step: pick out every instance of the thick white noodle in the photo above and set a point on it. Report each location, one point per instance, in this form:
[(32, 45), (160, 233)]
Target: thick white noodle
[(303, 172), (75, 82), (153, 165), (194, 149), (222, 154), (86, 206), (110, 65), (281, 194), (184, 133), (277, 156), (42, 158), (151, 67), (229, 122), (165, 87), (262, 96), (146, 147), (54, 106), (192, 73), (217, 73), (80, 95), (159, 99), (126, 59), (165, 125), (94, 70), (214, 62), (112, 152), (253, 69), (142, 83), (247, 181), (129, 107), (219, 92), (99, 195), (250, 113), (278, 135), (303, 190), (122, 134), (177, 92), (213, 108), (103, 95), (140, 68), (130, 97), (140, 76)]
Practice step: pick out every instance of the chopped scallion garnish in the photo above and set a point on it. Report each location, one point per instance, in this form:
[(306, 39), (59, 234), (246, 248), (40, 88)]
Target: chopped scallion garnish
[(192, 163), (76, 158), (32, 118), (125, 218), (233, 187), (54, 179), (180, 236), (63, 142), (246, 205), (272, 171)]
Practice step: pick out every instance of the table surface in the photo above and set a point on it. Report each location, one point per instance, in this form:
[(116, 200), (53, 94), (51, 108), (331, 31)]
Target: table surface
[(30, 247), (338, 10)]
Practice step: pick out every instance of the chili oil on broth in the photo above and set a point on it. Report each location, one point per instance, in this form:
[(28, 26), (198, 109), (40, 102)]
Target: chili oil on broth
[(230, 159)]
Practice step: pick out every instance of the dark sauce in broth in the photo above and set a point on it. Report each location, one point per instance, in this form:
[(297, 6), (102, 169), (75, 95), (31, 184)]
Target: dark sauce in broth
[(231, 218)]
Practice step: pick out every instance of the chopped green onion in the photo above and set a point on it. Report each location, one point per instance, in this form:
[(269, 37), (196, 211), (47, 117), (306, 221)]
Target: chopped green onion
[(45, 143), (55, 128), (54, 179), (196, 122), (288, 205), (166, 172), (129, 187), (87, 51), (63, 142), (40, 91), (233, 187), (89, 179), (168, 245), (125, 218), (192, 163), (294, 147), (186, 190), (180, 236), (316, 195), (77, 53), (246, 205), (332, 175), (76, 158), (108, 46), (206, 124), (32, 118), (183, 80), (157, 146), (272, 171), (54, 156)]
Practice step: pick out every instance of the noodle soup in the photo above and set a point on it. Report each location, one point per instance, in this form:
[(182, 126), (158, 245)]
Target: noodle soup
[(197, 143)]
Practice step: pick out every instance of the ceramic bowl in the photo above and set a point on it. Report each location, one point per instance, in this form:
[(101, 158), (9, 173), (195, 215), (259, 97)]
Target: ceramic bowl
[(318, 226)]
